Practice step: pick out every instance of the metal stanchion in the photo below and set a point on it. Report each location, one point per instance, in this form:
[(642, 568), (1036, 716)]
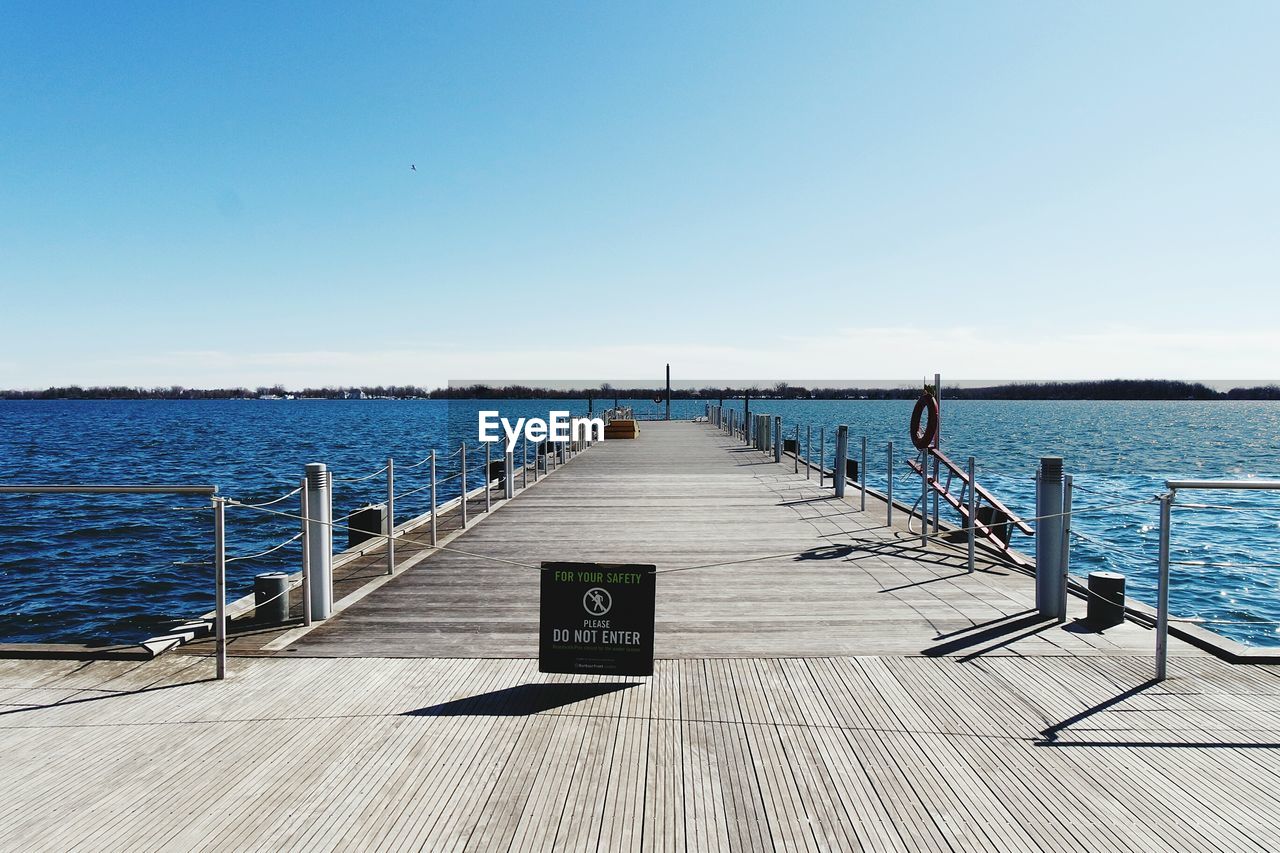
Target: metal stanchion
[(1065, 569), (808, 452), (888, 515), (220, 582), (464, 483), (822, 455), (488, 476), (306, 556), (840, 466), (433, 497), (391, 515), (509, 471), (862, 475), (1162, 591), (924, 498), (973, 509)]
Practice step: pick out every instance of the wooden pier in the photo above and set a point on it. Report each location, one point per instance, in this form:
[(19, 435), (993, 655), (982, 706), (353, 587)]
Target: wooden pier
[(823, 683)]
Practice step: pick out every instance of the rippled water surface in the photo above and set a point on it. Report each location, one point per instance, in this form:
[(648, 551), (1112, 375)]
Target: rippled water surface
[(98, 569)]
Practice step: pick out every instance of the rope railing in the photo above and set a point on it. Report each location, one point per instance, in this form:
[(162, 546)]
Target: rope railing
[(273, 501), (361, 479)]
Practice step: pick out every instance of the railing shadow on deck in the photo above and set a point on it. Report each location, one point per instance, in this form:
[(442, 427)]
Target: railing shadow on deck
[(1008, 630), (107, 694), (867, 548), (1049, 737), (522, 700)]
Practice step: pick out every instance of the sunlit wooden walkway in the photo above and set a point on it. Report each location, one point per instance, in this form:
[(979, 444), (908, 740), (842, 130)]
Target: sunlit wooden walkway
[(849, 692), (754, 560)]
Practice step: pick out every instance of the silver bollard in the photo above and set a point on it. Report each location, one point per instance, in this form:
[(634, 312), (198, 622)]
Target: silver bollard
[(777, 440), (320, 538), (488, 476), (808, 452), (1049, 590), (839, 467)]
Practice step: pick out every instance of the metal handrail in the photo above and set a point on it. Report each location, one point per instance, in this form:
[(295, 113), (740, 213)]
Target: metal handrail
[(219, 534), (1162, 589)]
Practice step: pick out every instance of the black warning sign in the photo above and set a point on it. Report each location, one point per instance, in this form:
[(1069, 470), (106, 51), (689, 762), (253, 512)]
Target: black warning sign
[(596, 618)]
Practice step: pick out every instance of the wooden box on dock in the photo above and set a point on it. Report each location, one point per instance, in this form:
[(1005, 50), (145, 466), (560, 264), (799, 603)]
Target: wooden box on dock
[(622, 429)]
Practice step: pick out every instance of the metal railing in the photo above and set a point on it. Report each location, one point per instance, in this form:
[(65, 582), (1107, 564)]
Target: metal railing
[(765, 433), (1167, 502), (547, 454), (219, 535)]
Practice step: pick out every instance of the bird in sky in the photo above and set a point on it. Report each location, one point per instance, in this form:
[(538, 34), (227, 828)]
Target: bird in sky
[(413, 167)]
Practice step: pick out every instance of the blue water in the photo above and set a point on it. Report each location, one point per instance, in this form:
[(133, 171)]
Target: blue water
[(114, 569)]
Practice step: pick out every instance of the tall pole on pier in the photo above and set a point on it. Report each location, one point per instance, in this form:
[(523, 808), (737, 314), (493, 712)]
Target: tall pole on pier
[(391, 515), (220, 584), (668, 392), (937, 444), (1050, 600)]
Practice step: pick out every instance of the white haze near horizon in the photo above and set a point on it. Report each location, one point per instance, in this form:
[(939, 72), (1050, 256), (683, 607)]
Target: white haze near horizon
[(961, 355)]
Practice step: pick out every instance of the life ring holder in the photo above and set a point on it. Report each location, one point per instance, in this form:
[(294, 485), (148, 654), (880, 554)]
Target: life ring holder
[(923, 438)]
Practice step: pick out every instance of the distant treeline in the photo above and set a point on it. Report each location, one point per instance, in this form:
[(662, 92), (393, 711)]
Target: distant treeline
[(1110, 389)]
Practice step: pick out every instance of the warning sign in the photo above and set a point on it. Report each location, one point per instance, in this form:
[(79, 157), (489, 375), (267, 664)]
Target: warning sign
[(596, 618)]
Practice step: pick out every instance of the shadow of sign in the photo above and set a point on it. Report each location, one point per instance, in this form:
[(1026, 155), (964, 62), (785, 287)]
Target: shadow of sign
[(521, 701)]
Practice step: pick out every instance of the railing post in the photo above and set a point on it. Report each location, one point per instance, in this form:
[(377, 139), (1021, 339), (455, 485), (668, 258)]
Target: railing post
[(433, 497), (822, 456), (808, 451), (924, 497), (1049, 539), (888, 513), (488, 476), (320, 538), (1162, 591), (777, 439), (463, 477), (1066, 546), (973, 510), (524, 463), (220, 583), (306, 553), (839, 467), (862, 475), (937, 443), (509, 471), (391, 516)]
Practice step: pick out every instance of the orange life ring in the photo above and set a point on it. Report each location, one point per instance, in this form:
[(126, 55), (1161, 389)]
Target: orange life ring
[(923, 438)]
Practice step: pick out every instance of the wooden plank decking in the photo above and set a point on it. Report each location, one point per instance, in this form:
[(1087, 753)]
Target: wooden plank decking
[(767, 725), (682, 496)]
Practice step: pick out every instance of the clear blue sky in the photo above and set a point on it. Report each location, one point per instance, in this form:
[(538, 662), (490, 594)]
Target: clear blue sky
[(214, 193)]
